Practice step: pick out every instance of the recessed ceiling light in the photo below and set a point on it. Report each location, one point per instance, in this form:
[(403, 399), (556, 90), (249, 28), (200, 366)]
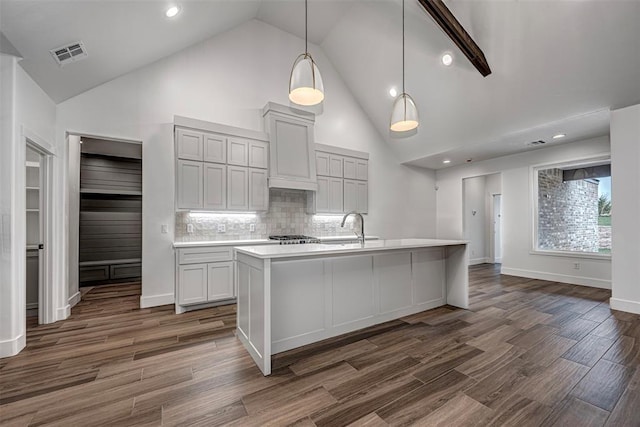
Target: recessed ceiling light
[(560, 135), (172, 11), (446, 161), (393, 92), (447, 59)]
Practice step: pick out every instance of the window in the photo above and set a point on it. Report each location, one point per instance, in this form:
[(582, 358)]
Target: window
[(573, 207)]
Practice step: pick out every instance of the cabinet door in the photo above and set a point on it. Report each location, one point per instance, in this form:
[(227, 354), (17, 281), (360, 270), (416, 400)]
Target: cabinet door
[(335, 195), (362, 169), (189, 144), (237, 152), (350, 195), (292, 151), (192, 286), (190, 180), (220, 281), (258, 190), (362, 196), (350, 168), (215, 148), (335, 166), (215, 186), (237, 188), (258, 154), (322, 163), (322, 195)]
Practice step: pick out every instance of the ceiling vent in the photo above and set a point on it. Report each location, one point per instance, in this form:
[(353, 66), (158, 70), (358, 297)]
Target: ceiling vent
[(69, 53), (536, 143)]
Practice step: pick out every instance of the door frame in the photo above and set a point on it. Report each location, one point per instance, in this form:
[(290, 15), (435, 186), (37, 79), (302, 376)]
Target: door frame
[(495, 260), (47, 291)]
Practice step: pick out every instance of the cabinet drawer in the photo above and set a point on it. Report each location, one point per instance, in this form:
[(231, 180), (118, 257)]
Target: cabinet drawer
[(201, 255), (94, 272), (125, 271)]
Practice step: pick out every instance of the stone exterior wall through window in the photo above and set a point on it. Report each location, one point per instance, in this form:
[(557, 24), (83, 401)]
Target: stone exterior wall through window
[(567, 213)]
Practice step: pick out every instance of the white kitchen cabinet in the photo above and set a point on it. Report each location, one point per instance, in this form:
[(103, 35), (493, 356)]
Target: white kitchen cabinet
[(322, 163), (215, 186), (292, 161), (350, 195), (349, 168), (215, 148), (335, 195), (362, 169), (190, 184), (362, 196), (237, 152), (322, 195), (237, 188), (258, 154), (193, 284), (258, 190), (220, 281), (335, 166), (190, 145)]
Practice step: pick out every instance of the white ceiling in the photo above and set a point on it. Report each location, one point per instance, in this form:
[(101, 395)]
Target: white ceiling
[(558, 66)]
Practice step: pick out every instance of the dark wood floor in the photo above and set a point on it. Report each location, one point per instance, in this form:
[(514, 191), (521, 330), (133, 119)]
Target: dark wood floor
[(528, 353)]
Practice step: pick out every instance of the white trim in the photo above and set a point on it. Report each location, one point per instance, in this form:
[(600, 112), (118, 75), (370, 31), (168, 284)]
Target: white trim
[(13, 346), (37, 140), (477, 261), (497, 261), (74, 299), (201, 125), (106, 138), (331, 149), (63, 313), (568, 254), (625, 305), (156, 300), (555, 277)]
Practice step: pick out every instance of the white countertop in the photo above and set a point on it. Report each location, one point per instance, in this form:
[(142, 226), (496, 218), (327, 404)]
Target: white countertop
[(253, 242), (312, 249)]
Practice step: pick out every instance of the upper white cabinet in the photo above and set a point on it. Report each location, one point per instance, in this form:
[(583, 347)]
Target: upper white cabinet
[(342, 181), (190, 144), (190, 184), (292, 161), (238, 152), (220, 167), (215, 148)]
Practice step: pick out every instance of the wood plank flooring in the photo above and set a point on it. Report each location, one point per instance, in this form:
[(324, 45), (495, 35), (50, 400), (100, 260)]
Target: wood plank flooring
[(527, 353)]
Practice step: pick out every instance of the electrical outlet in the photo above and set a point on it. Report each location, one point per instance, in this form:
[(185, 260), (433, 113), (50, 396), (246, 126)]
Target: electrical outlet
[(222, 228), (164, 228), (252, 228), (189, 228), (576, 266)]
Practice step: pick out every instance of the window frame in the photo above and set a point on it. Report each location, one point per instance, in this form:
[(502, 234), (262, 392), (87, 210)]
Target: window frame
[(533, 169)]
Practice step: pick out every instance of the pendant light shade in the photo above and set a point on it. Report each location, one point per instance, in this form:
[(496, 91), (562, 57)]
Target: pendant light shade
[(305, 82), (404, 115)]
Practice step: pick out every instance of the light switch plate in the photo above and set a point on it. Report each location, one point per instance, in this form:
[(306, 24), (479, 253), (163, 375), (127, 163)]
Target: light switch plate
[(252, 228), (222, 228), (164, 228), (189, 228)]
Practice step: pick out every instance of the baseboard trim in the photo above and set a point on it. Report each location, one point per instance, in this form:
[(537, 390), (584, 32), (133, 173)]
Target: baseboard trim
[(156, 300), (625, 305), (64, 312), (477, 261), (554, 277), (32, 305), (75, 298), (13, 346)]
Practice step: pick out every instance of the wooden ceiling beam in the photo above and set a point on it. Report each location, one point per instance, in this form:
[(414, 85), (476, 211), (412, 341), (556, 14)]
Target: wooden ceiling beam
[(456, 32)]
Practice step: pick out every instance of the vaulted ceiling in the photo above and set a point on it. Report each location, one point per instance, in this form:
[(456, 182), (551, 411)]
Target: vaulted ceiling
[(558, 66)]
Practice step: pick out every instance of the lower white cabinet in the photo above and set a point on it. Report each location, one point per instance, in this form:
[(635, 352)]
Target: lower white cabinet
[(205, 281)]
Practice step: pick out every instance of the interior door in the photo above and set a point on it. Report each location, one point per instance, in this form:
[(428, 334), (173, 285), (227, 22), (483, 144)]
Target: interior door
[(497, 228)]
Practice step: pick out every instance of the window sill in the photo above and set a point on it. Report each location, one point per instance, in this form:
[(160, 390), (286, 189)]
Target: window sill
[(588, 255)]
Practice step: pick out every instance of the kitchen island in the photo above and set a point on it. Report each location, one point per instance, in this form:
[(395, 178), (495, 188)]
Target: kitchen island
[(292, 295)]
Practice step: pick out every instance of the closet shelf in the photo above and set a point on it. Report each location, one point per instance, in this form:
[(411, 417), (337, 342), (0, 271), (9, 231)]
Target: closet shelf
[(112, 192)]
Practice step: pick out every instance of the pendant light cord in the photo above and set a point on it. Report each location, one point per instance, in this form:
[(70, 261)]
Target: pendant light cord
[(306, 48), (403, 91)]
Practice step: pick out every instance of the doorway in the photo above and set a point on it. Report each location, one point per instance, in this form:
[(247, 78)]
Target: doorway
[(482, 214)]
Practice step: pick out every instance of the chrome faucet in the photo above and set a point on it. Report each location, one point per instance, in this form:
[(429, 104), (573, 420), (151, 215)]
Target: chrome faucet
[(358, 215)]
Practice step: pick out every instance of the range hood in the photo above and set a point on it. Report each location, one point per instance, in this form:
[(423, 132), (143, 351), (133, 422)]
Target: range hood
[(292, 155)]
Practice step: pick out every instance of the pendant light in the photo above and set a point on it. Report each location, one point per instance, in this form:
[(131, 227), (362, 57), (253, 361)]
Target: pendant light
[(404, 115), (305, 82)]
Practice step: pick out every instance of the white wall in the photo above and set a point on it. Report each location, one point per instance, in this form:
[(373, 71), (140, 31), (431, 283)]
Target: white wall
[(517, 220), (228, 79), (26, 109), (625, 193), (475, 221)]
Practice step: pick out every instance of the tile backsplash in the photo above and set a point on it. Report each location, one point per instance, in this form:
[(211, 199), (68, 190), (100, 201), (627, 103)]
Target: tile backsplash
[(286, 215)]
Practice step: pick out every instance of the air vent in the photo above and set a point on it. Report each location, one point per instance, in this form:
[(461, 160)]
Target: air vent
[(537, 143), (70, 53)]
